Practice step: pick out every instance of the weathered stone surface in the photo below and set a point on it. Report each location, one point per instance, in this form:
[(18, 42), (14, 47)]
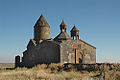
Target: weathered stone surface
[(62, 36), (41, 29), (61, 49), (17, 61), (84, 52), (63, 26), (74, 33)]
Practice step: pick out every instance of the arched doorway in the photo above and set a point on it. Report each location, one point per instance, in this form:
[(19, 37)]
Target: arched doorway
[(80, 57)]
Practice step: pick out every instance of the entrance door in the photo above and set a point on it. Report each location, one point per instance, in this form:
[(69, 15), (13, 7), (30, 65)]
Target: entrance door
[(80, 60)]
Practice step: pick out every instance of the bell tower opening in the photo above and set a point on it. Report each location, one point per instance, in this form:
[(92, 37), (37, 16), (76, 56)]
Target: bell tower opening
[(75, 33), (63, 26)]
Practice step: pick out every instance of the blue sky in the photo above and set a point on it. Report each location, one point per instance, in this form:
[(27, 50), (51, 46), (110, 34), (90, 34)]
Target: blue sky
[(97, 20)]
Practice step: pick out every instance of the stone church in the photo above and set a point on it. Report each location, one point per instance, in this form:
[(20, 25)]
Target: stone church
[(62, 49)]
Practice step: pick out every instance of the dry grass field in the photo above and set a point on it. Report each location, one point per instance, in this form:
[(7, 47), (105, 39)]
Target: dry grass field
[(6, 65), (58, 72)]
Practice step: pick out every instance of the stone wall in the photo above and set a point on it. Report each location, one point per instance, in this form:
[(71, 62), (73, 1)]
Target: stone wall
[(45, 52), (48, 52), (85, 53)]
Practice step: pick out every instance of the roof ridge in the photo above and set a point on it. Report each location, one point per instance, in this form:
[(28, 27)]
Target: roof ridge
[(62, 35)]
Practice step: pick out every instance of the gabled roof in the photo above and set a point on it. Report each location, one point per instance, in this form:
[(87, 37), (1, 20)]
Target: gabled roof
[(31, 43), (41, 21), (74, 29), (62, 36), (87, 43), (50, 41)]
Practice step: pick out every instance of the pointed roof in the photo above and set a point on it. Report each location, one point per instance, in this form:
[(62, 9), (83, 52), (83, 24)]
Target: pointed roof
[(31, 43), (41, 21), (74, 28), (62, 36), (63, 23)]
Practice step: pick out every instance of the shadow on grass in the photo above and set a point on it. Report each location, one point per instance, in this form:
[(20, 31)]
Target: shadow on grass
[(9, 68)]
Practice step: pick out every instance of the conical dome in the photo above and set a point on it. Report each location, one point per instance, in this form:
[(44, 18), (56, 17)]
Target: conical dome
[(41, 29), (41, 22)]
